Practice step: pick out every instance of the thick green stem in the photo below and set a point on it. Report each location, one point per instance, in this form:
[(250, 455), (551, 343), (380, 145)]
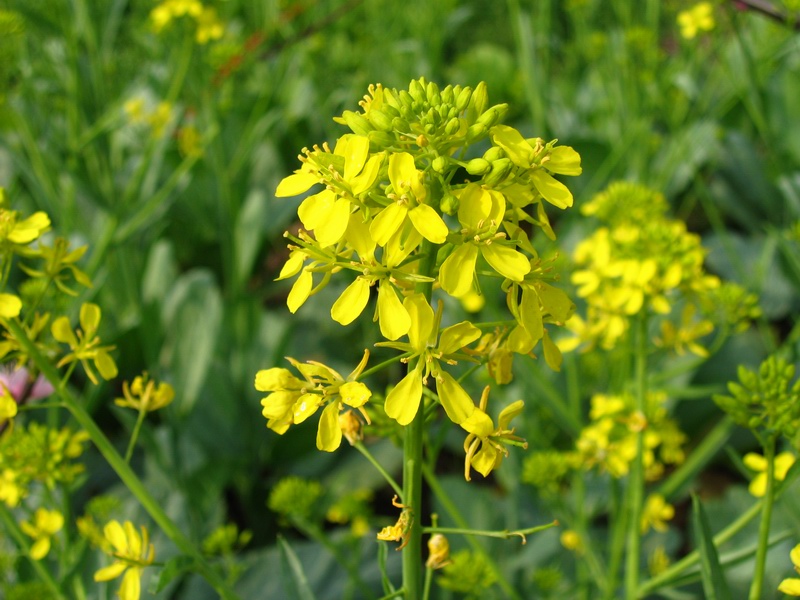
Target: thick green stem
[(635, 491), (122, 469), (766, 518)]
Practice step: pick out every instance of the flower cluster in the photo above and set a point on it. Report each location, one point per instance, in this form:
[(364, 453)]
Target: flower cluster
[(209, 26), (696, 19), (409, 209), (609, 441), (638, 261)]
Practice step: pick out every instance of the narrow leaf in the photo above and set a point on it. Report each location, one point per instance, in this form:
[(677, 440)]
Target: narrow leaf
[(299, 582), (714, 584)]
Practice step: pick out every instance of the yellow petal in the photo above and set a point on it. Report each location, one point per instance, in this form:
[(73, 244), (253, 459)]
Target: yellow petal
[(520, 341), (428, 222), (552, 355), (783, 462), (458, 269), (364, 181), (455, 337), (115, 534), (40, 548), (300, 291), (305, 406), (278, 404), (478, 423), (358, 236), (403, 401), (29, 229), (10, 306), (486, 459), (355, 152), (552, 190), (105, 365), (421, 315), (564, 161), (515, 146), (329, 434), (456, 402), (131, 585), (90, 317), (352, 302), (758, 487), (530, 314), (110, 572), (274, 379), (354, 393), (508, 413), (295, 184), (474, 206), (506, 261), (387, 222), (795, 556), (393, 317), (402, 172), (755, 462), (293, 265), (790, 587)]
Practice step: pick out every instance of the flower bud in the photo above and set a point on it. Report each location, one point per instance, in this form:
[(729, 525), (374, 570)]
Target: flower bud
[(463, 98), (453, 125), (438, 552), (500, 169), (405, 100), (381, 138), (422, 141), (380, 120), (478, 102), (448, 204), (400, 125), (494, 153), (432, 94), (447, 95), (356, 122), (478, 166), (478, 130), (492, 116), (351, 426), (417, 91), (440, 164), (390, 111)]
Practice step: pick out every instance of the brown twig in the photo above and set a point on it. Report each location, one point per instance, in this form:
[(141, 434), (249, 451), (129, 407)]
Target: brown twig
[(768, 10)]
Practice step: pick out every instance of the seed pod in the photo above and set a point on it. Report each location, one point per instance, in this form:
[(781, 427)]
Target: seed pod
[(356, 122), (478, 166)]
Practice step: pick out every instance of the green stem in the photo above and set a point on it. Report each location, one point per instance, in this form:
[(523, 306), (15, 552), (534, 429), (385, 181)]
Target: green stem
[(504, 534), (766, 517), (116, 462), (16, 533), (389, 479), (135, 435), (635, 491)]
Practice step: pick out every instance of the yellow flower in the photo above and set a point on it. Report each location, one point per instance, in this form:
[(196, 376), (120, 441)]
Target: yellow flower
[(656, 513), (791, 586), (484, 446), (46, 523), (132, 552), (85, 346), (756, 462), (134, 109), (209, 27), (8, 405), (571, 540), (10, 491), (143, 395), (438, 552), (696, 19)]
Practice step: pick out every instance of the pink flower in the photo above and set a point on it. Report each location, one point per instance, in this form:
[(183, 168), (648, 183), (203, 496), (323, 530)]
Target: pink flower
[(17, 381)]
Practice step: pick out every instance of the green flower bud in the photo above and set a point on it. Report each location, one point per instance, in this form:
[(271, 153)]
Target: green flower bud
[(492, 116), (476, 131), (478, 166), (432, 93), (452, 127), (381, 138), (443, 111), (478, 102), (406, 101), (440, 164), (500, 169), (463, 98), (356, 122), (400, 124), (379, 120), (447, 95), (389, 110), (448, 204), (494, 153), (417, 91)]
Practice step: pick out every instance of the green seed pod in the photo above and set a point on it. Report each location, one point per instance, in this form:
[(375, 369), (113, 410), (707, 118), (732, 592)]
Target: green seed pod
[(452, 126), (494, 153), (478, 166), (476, 131), (491, 117), (440, 164), (448, 204), (380, 120), (500, 170), (463, 98), (356, 122)]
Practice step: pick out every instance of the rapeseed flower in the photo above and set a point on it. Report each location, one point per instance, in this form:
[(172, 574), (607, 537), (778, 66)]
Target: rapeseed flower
[(46, 523), (756, 462), (132, 553), (698, 18), (84, 344), (791, 585)]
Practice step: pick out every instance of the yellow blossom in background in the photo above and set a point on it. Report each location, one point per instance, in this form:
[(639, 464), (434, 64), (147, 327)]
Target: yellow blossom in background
[(163, 14), (8, 405), (571, 540), (132, 552), (656, 513), (134, 109), (84, 344), (144, 395), (159, 118), (10, 491), (209, 27), (791, 586), (658, 561), (696, 19), (46, 523), (756, 462)]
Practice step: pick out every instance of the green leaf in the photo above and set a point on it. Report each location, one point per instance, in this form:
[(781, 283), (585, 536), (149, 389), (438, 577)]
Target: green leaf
[(383, 555), (714, 584), (173, 568), (299, 583), (249, 233)]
